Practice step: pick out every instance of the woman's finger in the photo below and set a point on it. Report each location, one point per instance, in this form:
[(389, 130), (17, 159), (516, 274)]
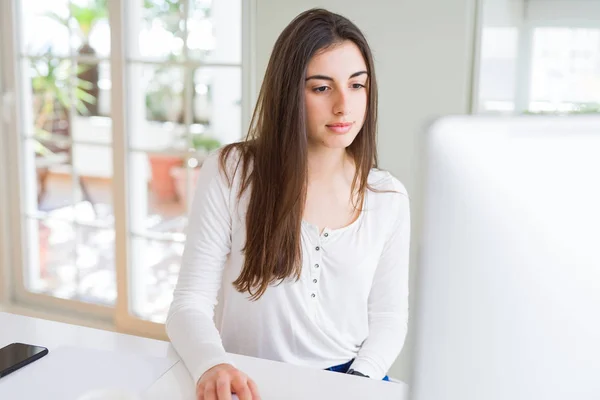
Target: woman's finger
[(240, 387), (210, 391), (223, 387), (200, 392), (253, 389)]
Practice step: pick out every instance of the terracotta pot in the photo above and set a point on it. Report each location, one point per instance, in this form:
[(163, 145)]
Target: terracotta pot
[(162, 183), (179, 176)]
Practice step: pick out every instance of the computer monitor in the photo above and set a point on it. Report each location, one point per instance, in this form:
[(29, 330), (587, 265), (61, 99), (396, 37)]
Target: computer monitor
[(508, 301)]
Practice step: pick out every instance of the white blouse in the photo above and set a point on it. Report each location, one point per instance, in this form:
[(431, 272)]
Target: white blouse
[(350, 303)]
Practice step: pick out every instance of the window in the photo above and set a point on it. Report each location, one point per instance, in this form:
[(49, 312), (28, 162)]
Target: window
[(497, 69), (565, 73), (537, 69), (110, 134)]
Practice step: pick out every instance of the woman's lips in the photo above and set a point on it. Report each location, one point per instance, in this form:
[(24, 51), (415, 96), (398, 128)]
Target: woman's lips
[(341, 128)]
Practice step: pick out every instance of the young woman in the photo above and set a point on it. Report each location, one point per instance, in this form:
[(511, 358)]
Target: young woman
[(302, 238)]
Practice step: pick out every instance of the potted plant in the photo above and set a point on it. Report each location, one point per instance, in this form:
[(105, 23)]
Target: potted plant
[(160, 97), (85, 17), (52, 103), (162, 184), (202, 145), (51, 97), (161, 107), (164, 103)]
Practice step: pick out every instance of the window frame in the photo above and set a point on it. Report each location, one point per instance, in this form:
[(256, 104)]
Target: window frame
[(526, 29), (12, 265)]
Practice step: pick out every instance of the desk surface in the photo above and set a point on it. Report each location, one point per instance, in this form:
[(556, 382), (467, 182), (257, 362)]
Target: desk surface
[(275, 380)]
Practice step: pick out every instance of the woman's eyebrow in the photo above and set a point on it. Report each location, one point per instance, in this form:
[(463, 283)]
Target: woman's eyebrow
[(354, 75), (328, 78)]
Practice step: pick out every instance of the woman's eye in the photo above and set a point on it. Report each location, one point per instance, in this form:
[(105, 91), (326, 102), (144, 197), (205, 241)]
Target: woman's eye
[(320, 89), (357, 86)]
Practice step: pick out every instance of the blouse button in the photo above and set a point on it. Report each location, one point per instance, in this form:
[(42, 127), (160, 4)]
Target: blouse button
[(313, 295), (326, 234), (314, 281), (317, 248)]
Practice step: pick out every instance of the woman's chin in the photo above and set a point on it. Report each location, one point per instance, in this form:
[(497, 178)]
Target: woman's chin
[(339, 141)]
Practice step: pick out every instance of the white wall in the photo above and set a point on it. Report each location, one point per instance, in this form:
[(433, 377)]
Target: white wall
[(563, 12), (423, 55), (503, 13)]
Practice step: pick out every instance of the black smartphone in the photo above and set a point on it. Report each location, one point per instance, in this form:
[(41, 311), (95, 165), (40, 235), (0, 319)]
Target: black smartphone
[(18, 355)]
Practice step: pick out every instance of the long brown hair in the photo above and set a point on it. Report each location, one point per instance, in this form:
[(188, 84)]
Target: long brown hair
[(274, 155)]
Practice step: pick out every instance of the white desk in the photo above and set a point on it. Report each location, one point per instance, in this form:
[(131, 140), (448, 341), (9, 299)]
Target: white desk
[(275, 380)]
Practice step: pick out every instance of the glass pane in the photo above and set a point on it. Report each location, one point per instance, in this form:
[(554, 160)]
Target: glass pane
[(104, 89), (90, 31), (51, 264), (57, 87), (93, 166), (96, 277), (185, 180), (215, 31), (157, 29), (92, 154), (565, 74), (71, 263), (217, 105), (156, 107), (44, 25), (157, 202), (498, 64), (91, 96), (49, 83), (48, 179), (154, 276)]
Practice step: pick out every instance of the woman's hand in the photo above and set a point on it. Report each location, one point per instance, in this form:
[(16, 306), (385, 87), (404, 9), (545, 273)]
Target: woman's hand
[(219, 382)]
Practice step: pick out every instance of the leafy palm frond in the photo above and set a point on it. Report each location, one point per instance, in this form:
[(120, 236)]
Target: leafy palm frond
[(56, 17), (52, 80), (86, 16)]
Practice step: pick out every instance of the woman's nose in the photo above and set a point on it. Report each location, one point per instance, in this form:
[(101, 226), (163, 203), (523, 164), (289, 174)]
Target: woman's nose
[(341, 106)]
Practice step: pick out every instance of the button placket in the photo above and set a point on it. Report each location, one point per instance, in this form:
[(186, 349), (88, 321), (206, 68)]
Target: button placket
[(315, 271)]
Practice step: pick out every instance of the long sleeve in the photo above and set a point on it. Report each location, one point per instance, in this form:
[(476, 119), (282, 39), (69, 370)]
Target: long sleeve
[(190, 325), (388, 301)]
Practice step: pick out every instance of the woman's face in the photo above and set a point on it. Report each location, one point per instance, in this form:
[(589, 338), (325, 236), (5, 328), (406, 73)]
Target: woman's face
[(336, 92)]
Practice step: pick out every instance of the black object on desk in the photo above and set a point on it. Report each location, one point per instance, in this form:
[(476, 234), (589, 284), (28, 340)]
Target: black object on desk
[(18, 355)]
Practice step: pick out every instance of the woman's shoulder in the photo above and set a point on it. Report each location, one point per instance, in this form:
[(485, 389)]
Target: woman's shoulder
[(388, 198), (225, 161), (382, 181)]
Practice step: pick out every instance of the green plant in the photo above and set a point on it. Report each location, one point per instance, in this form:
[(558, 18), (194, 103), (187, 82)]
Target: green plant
[(205, 142), (161, 93), (52, 100), (161, 8), (201, 143), (86, 15), (587, 108), (581, 108), (82, 18), (169, 15), (50, 82)]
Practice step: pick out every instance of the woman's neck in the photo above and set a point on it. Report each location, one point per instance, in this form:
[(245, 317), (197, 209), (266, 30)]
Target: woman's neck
[(329, 164)]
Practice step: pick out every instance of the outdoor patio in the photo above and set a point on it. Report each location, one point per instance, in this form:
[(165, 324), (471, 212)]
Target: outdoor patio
[(78, 261)]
